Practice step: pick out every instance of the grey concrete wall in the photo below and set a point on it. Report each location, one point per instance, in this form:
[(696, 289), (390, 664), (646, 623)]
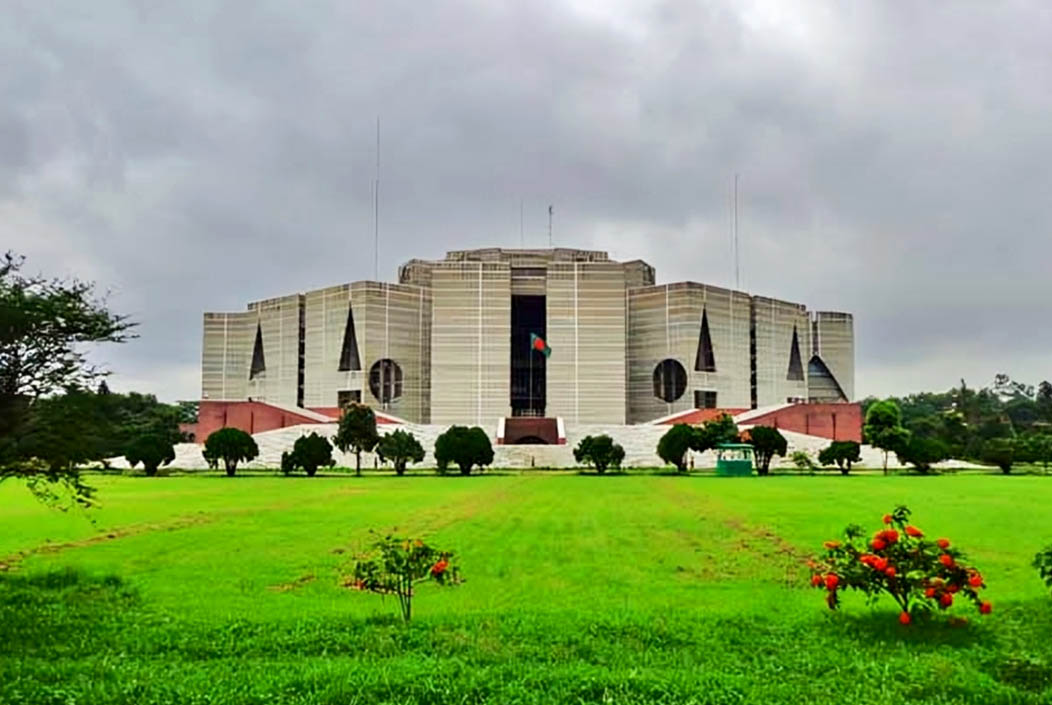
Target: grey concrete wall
[(326, 319), (665, 322), (226, 354), (775, 321), (834, 341), (470, 342), (391, 321), (586, 331), (279, 320)]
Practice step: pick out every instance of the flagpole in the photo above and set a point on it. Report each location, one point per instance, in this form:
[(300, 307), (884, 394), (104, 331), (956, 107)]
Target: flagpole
[(531, 381)]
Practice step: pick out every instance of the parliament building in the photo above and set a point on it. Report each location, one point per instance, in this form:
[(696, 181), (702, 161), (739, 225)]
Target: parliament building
[(453, 341)]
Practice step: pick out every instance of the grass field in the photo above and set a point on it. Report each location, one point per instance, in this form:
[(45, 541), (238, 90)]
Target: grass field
[(620, 589)]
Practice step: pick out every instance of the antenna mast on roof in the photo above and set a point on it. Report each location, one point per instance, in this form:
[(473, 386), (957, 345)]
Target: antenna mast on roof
[(737, 269), (376, 208), (551, 210)]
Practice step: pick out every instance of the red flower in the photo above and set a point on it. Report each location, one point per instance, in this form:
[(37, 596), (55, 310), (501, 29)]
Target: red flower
[(877, 544), (975, 580), (887, 518), (914, 531), (953, 588), (439, 568), (867, 559), (946, 559), (930, 592), (880, 564), (890, 572), (985, 608), (943, 543), (891, 536), (831, 544), (816, 580), (946, 599), (832, 580), (904, 618)]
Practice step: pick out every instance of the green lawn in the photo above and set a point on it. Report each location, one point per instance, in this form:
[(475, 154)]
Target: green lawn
[(615, 589)]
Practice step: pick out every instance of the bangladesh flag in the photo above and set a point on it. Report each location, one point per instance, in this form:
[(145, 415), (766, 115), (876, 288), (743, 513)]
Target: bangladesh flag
[(538, 344)]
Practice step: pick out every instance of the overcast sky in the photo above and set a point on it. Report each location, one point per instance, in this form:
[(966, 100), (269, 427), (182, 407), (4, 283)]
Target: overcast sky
[(895, 157)]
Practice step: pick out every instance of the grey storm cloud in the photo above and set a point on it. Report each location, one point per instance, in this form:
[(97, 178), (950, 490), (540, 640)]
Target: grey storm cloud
[(193, 156)]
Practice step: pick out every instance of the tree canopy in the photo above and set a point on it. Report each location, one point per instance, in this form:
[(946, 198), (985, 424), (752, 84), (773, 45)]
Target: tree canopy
[(152, 451), (308, 453), (464, 447), (357, 433), (231, 446), (45, 328), (600, 452), (767, 442), (400, 448)]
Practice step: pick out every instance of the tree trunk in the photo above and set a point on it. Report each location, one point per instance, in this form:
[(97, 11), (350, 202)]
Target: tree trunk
[(358, 463), (230, 468), (885, 462), (399, 468), (465, 469)]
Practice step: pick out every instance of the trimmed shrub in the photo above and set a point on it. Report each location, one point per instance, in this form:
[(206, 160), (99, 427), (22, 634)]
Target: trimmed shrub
[(600, 452)]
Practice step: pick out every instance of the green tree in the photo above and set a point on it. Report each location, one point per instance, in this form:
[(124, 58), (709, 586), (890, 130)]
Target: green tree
[(230, 445), (46, 329), (1040, 448), (1000, 452), (710, 434), (922, 452), (464, 447), (400, 448), (152, 451), (65, 431), (842, 454), (883, 428), (767, 442), (600, 452), (673, 446), (308, 453), (357, 433)]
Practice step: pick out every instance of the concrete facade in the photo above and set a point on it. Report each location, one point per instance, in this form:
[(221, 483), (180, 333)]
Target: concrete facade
[(450, 344), (665, 323)]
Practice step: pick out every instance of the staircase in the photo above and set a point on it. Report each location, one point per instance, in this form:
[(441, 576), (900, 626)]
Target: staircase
[(530, 430)]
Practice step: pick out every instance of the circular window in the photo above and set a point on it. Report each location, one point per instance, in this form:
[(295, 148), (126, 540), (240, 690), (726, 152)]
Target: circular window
[(385, 380), (670, 380)]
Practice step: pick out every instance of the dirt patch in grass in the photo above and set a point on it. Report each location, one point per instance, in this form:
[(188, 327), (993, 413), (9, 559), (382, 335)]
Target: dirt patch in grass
[(772, 547), (12, 562), (294, 584)]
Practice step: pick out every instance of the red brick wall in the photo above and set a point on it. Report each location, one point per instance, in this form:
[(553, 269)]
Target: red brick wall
[(700, 416), (249, 416), (334, 413), (837, 422)]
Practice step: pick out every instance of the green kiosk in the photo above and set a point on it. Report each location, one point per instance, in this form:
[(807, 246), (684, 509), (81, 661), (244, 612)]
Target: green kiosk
[(733, 459)]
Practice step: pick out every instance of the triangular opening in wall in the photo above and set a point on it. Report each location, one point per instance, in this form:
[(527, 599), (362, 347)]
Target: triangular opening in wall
[(796, 365), (706, 359), (822, 384), (349, 361), (258, 363)]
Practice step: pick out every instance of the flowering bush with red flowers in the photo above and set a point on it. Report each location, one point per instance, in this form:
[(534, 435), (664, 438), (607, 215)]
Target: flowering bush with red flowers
[(921, 575), (394, 565)]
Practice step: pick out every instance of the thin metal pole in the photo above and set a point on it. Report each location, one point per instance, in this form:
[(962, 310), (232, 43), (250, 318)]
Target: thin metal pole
[(737, 272), (376, 208), (550, 211), (531, 382)]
